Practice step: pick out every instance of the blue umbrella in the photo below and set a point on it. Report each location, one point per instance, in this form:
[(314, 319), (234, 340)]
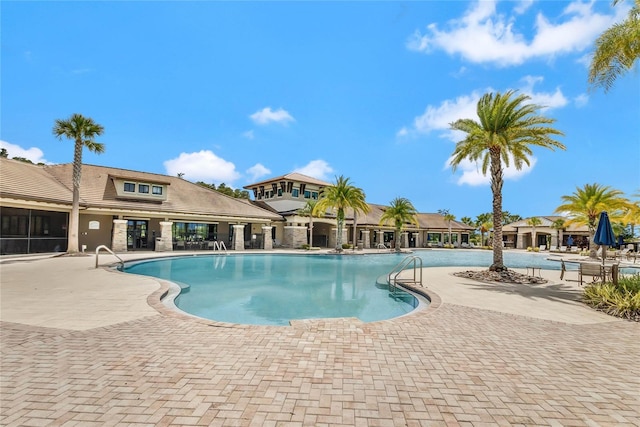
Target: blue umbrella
[(604, 234)]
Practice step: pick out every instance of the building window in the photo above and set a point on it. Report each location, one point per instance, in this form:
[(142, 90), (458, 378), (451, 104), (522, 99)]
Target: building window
[(314, 195), (129, 187), (295, 192), (279, 192), (307, 194), (143, 188), (157, 190)]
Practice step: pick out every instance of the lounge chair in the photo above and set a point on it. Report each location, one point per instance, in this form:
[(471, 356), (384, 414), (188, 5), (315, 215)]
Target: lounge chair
[(543, 248), (563, 249), (590, 269)]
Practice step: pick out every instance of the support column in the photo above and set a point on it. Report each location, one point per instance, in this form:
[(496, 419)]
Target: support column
[(238, 237), (520, 243), (405, 239), (165, 242), (366, 239), (119, 240), (294, 236), (333, 237), (379, 237), (267, 241)]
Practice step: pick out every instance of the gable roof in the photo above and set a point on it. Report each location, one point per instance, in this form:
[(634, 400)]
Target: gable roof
[(426, 221), (26, 181), (293, 176), (53, 183), (545, 221), (97, 189)]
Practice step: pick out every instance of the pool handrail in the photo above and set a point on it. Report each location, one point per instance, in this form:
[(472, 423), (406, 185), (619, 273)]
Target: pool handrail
[(401, 266), (106, 248)]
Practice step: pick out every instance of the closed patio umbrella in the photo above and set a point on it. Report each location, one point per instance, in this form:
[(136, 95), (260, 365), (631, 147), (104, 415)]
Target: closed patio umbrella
[(604, 234)]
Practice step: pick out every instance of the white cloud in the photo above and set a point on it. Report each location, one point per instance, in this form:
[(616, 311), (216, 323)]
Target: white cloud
[(522, 6), (544, 99), (402, 132), (471, 172), (495, 39), (439, 118), (248, 134), (317, 169), (34, 154), (202, 166), (581, 100), (257, 171), (266, 116)]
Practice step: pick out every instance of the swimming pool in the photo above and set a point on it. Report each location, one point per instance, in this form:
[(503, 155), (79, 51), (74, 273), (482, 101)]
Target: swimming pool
[(272, 289)]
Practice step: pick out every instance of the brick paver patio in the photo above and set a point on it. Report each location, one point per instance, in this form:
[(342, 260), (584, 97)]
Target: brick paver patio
[(449, 365)]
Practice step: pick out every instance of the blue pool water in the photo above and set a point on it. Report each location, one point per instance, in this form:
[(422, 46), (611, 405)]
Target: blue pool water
[(271, 289)]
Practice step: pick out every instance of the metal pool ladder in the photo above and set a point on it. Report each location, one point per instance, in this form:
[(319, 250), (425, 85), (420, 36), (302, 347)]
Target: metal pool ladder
[(392, 278), (111, 252)]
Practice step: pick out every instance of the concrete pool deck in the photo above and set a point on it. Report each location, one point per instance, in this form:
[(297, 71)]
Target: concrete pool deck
[(86, 346)]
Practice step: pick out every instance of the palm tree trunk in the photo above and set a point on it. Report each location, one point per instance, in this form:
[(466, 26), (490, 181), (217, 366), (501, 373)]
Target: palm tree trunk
[(310, 231), (397, 245), (593, 246), (339, 233), (74, 218), (496, 188)]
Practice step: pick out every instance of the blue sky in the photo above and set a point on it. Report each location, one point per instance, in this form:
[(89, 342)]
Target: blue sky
[(237, 92)]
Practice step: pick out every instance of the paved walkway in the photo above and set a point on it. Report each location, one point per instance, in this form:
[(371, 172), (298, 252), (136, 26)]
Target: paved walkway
[(85, 346)]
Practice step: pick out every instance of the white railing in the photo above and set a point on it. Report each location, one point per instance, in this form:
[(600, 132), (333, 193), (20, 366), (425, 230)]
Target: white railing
[(104, 247), (219, 246), (392, 277)]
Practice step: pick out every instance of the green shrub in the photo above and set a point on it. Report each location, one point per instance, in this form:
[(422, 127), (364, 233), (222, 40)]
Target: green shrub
[(630, 283), (529, 249), (536, 249), (346, 246), (620, 301), (305, 246)]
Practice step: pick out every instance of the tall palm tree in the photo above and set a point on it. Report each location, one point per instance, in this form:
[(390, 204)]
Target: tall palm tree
[(82, 130), (339, 197), (449, 217), (309, 210), (534, 222), (558, 225), (400, 211), (466, 220), (507, 129), (583, 207), (617, 49), (632, 216)]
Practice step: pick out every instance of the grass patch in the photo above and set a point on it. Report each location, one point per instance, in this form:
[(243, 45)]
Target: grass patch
[(621, 301)]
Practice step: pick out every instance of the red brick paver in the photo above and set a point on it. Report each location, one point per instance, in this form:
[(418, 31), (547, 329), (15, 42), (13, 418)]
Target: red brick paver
[(451, 366)]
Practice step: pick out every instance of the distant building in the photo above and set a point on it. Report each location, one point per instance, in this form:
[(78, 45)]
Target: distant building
[(287, 194), (123, 209), (521, 235)]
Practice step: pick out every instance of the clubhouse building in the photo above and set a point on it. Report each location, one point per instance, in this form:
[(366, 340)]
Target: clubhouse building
[(132, 210)]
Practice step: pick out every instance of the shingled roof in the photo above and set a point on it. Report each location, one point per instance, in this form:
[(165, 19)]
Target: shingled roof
[(97, 190), (25, 181), (293, 176)]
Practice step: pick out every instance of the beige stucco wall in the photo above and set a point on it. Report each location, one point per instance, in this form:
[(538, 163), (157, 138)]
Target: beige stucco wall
[(93, 238)]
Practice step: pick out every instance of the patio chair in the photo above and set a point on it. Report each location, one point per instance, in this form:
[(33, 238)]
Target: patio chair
[(590, 269), (563, 249), (180, 244)]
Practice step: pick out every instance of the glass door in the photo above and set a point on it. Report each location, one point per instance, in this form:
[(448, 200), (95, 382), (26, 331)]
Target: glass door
[(137, 237)]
